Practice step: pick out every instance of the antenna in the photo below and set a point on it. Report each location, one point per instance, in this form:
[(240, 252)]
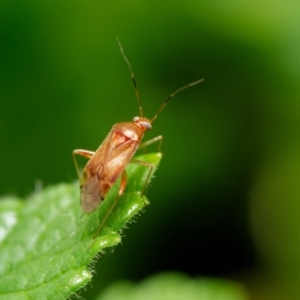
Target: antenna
[(173, 94), (138, 97)]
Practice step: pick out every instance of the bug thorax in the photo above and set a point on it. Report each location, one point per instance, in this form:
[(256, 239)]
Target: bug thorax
[(144, 123)]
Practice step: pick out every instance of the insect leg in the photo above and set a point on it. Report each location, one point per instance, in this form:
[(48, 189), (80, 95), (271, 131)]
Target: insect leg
[(81, 152), (120, 193), (154, 140), (147, 165), (123, 183)]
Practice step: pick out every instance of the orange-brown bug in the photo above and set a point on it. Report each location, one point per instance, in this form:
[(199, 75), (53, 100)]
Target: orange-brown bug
[(109, 161)]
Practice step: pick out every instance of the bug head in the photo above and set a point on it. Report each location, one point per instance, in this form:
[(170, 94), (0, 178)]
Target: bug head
[(141, 121)]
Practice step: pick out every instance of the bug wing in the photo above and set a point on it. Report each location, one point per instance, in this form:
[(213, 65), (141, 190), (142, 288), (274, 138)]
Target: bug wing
[(90, 195)]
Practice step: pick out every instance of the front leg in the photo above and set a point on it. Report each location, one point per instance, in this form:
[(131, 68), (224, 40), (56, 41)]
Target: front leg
[(85, 153), (154, 140)]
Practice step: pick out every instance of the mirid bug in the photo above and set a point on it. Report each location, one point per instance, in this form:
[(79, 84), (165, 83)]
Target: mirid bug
[(109, 161)]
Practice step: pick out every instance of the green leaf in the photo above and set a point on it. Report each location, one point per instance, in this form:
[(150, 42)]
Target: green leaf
[(176, 286), (45, 245)]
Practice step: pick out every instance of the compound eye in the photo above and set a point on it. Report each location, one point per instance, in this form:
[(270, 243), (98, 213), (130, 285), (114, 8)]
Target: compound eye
[(147, 125), (135, 119)]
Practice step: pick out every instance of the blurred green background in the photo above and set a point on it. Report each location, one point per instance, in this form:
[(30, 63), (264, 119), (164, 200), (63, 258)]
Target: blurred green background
[(226, 199)]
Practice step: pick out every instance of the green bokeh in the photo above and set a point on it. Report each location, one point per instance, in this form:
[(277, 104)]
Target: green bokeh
[(63, 83)]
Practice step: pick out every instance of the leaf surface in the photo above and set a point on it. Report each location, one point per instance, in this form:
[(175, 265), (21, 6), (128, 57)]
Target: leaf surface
[(45, 245)]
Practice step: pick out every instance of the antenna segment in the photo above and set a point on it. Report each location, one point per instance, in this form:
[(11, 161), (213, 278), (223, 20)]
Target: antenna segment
[(137, 93), (173, 94)]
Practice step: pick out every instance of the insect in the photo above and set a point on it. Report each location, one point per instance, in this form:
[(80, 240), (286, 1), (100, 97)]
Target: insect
[(109, 161)]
